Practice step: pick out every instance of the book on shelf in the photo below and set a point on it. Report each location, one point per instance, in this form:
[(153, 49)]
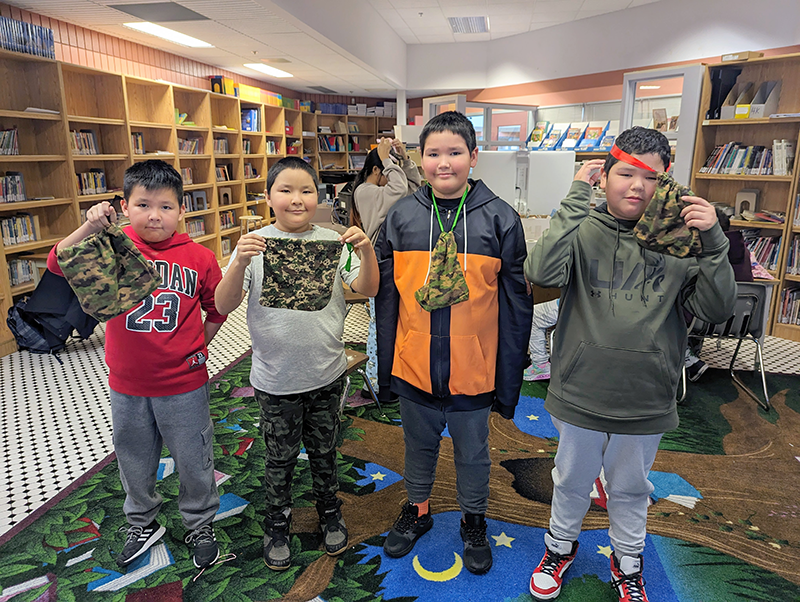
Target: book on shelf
[(9, 142), (22, 271), (225, 243), (324, 129), (180, 118), (191, 146), (357, 161), (272, 147), (20, 228), (352, 128), (251, 120), (222, 173), (593, 135), (83, 142), (227, 219), (250, 171), (796, 211), (221, 146), (764, 249), (255, 196), (19, 36), (793, 257), (91, 182), (783, 157), (12, 187), (789, 306), (246, 146), (186, 175), (41, 110), (340, 127), (574, 135), (195, 226), (738, 159), (137, 142)]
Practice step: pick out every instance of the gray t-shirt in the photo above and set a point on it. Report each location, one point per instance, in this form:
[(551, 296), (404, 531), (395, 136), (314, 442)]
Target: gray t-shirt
[(296, 351)]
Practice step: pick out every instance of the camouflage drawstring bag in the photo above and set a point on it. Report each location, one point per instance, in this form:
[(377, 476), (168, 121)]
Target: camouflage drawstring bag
[(661, 228), (299, 274), (108, 273), (447, 284)]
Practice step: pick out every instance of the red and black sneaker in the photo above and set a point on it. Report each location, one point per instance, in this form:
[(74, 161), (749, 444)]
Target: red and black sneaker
[(547, 577), (626, 578)]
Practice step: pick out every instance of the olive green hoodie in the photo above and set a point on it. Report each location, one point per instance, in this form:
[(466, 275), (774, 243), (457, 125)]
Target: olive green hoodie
[(620, 338)]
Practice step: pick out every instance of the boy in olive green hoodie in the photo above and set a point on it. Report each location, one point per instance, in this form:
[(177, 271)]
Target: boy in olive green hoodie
[(618, 348)]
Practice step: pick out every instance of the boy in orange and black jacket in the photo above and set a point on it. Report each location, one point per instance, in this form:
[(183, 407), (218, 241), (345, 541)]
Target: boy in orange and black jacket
[(451, 356)]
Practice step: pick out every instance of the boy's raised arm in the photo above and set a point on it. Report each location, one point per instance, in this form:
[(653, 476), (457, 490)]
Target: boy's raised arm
[(368, 277), (230, 291), (97, 217), (549, 263)]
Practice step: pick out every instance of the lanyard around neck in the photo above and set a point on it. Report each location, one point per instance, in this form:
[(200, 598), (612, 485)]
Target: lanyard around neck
[(460, 205)]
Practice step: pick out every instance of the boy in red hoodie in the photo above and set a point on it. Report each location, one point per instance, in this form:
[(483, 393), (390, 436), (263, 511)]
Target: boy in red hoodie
[(156, 355)]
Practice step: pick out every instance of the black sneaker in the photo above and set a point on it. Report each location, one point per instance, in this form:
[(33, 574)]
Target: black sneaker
[(477, 551), (334, 531), (407, 529), (206, 550), (277, 554), (138, 542), (696, 370)]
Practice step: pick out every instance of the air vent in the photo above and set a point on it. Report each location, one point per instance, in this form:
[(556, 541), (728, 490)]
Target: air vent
[(469, 24), (324, 90), (160, 12)]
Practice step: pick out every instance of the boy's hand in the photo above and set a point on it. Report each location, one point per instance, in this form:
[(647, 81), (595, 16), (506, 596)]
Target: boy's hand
[(99, 216), (249, 245), (700, 214), (356, 237), (590, 171)]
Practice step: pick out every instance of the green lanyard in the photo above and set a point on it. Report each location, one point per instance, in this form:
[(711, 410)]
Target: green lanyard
[(460, 205)]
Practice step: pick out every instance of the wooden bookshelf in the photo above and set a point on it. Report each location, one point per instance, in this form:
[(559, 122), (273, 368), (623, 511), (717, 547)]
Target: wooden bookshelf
[(776, 193)]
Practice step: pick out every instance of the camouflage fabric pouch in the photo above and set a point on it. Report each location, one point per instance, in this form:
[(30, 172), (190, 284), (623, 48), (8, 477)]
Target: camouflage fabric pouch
[(108, 273), (661, 228), (447, 284), (299, 274)]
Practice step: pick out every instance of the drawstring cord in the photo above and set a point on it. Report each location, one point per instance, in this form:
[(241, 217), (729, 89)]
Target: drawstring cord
[(430, 252)]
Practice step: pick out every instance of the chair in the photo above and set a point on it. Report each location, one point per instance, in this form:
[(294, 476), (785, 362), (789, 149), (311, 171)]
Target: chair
[(355, 363), (351, 298), (747, 322)]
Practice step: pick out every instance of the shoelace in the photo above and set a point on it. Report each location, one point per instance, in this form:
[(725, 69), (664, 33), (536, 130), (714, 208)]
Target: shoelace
[(551, 562), (476, 535), (406, 521), (204, 534), (133, 533), (221, 560), (634, 586)]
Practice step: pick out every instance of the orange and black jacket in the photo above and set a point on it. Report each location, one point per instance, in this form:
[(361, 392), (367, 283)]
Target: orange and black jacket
[(470, 355)]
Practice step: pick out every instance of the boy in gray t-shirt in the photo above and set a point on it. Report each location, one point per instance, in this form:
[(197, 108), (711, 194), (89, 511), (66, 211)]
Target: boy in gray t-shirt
[(298, 354)]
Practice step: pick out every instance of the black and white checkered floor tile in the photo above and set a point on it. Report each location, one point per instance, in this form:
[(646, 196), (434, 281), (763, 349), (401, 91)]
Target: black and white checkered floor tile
[(55, 420)]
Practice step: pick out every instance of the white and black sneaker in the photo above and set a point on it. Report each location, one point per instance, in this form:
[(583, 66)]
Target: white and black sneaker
[(139, 540), (205, 550)]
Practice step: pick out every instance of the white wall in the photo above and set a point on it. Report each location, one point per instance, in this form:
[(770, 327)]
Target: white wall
[(663, 32), (357, 28)]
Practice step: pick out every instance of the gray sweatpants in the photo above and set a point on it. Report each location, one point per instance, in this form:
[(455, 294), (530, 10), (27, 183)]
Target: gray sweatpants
[(422, 433), (142, 425), (626, 461)]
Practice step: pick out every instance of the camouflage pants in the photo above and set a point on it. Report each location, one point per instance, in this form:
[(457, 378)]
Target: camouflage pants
[(286, 420)]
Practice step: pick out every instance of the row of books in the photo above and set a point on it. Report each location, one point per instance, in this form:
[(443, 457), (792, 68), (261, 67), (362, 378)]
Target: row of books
[(736, 158), (783, 152), (19, 36), (190, 146), (789, 308), (272, 147), (83, 142), (91, 182), (227, 219), (775, 217), (581, 136), (797, 211), (221, 146), (356, 162), (251, 120), (21, 271), (20, 228), (764, 249), (225, 243), (195, 226), (182, 118), (12, 187), (9, 142), (250, 171), (137, 142), (196, 200), (246, 145), (222, 173), (793, 258), (186, 175), (332, 108), (331, 144)]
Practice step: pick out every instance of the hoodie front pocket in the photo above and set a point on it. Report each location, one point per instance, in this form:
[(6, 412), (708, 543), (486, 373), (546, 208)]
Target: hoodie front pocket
[(615, 382), (469, 372), (413, 361)]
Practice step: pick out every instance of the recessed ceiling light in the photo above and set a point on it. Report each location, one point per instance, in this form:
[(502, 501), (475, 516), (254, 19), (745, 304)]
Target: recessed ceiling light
[(268, 70), (644, 87), (168, 34)]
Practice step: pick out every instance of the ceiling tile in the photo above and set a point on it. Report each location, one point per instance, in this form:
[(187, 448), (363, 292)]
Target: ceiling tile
[(435, 39)]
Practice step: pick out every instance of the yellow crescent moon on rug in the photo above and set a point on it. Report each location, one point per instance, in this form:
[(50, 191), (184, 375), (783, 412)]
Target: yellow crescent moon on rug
[(445, 575)]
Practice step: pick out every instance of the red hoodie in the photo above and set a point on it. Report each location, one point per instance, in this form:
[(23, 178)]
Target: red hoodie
[(158, 347)]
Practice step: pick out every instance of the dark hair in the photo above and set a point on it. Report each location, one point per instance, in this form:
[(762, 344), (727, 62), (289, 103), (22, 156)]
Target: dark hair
[(640, 141), (290, 163), (153, 174), (451, 121), (723, 219), (373, 160)]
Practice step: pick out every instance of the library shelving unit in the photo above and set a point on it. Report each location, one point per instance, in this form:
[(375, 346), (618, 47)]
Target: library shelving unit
[(309, 133), (293, 126), (776, 193)]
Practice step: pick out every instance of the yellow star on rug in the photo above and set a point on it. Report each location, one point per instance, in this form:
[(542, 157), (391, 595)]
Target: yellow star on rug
[(378, 476), (532, 417), (604, 550), (503, 540)]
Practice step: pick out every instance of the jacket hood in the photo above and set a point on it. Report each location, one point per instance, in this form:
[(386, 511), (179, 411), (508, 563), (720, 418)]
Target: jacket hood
[(176, 240)]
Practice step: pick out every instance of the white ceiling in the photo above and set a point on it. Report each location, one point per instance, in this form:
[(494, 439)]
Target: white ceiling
[(244, 31)]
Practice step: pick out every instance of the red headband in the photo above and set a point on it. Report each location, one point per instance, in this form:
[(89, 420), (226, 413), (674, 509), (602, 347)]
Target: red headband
[(620, 154)]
